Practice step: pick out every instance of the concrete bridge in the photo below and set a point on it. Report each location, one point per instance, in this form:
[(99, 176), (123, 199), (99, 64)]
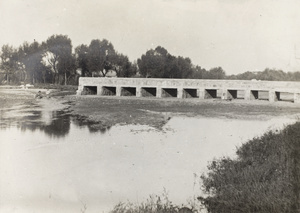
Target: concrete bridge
[(191, 88)]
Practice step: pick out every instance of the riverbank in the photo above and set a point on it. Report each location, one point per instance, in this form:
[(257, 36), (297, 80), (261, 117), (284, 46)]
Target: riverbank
[(12, 96), (156, 112), (109, 111)]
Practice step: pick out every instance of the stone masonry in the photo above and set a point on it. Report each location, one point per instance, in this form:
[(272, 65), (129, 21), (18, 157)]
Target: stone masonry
[(190, 88)]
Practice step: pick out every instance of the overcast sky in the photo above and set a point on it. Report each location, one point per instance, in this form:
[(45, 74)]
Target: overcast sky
[(238, 35)]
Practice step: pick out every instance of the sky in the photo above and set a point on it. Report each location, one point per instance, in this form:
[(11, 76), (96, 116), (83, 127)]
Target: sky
[(238, 35)]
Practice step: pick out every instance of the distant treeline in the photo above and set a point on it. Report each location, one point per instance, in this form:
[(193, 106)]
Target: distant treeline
[(267, 75), (265, 176), (55, 61)]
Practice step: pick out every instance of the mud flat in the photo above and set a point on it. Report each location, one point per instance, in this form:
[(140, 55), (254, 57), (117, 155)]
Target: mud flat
[(109, 111), (16, 97), (156, 112)]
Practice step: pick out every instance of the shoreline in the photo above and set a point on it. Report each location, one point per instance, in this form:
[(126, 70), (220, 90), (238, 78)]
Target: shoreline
[(156, 112), (107, 111)]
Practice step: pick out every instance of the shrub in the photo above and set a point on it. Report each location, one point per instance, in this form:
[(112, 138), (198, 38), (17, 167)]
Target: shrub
[(265, 176)]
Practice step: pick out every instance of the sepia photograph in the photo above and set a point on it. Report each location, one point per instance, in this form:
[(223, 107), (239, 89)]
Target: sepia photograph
[(150, 106)]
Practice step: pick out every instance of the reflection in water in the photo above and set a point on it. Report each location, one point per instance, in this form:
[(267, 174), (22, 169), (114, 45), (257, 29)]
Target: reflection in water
[(71, 165), (59, 126), (93, 126), (53, 123)]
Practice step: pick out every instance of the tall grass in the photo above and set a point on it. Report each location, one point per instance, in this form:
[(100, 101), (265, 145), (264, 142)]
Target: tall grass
[(154, 204)]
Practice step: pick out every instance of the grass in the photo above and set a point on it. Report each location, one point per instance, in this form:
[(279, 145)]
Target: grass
[(154, 204)]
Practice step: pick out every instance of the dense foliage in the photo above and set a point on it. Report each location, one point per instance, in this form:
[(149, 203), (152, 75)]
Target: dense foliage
[(55, 61), (265, 177), (159, 63)]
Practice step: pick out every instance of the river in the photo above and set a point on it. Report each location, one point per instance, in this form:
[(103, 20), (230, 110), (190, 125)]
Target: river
[(52, 162)]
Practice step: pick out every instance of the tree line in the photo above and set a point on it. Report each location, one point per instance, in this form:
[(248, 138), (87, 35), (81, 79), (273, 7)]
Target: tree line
[(55, 61), (267, 75)]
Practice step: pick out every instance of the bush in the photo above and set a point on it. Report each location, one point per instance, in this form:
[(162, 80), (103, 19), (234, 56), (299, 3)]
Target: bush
[(265, 177)]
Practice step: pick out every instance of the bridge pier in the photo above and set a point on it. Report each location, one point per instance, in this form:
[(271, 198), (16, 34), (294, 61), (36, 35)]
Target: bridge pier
[(274, 96), (138, 92), (201, 93), (158, 92), (297, 98), (247, 95), (99, 90), (118, 91), (180, 93), (224, 95)]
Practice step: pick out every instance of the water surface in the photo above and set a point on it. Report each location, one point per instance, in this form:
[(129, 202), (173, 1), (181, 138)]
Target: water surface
[(51, 162)]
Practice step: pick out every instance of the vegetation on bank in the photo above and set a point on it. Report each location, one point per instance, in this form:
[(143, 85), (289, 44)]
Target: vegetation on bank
[(265, 176), (55, 61), (156, 204)]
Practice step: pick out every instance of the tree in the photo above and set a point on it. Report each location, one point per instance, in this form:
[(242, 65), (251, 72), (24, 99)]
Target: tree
[(9, 61), (159, 63), (272, 75), (199, 72), (66, 66), (216, 73), (59, 56), (30, 55), (151, 64), (185, 67), (51, 60), (267, 75), (123, 67), (99, 54), (81, 52)]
